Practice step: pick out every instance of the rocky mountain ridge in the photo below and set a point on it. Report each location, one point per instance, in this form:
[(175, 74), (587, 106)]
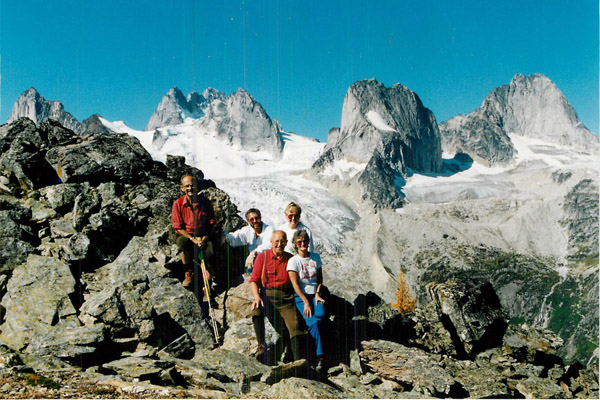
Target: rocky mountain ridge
[(530, 106), (238, 119), (117, 322), (390, 130), (530, 228), (174, 107)]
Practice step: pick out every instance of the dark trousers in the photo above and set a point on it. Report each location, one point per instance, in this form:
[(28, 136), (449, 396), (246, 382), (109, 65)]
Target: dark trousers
[(280, 309)]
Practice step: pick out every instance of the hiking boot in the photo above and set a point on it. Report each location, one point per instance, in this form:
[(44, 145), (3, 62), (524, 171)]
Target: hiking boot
[(319, 366), (259, 354), (187, 281)]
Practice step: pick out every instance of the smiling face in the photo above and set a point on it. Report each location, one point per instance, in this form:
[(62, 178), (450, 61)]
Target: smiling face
[(278, 242), (255, 221), (302, 245), (293, 218), (187, 186)]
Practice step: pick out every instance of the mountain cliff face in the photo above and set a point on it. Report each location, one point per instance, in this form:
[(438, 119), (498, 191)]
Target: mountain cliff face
[(390, 130), (244, 123), (174, 107), (92, 303), (33, 106), (238, 119), (530, 106)]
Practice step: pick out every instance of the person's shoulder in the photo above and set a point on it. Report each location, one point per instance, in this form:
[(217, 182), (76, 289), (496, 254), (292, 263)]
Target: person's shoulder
[(179, 201)]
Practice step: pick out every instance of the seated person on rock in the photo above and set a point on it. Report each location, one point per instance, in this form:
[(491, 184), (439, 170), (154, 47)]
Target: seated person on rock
[(193, 219), (306, 276), (256, 235), (273, 294), (292, 214)]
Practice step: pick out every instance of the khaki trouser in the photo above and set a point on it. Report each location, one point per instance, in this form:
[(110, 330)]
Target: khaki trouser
[(280, 307)]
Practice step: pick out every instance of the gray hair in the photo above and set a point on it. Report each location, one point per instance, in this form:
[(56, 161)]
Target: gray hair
[(300, 234)]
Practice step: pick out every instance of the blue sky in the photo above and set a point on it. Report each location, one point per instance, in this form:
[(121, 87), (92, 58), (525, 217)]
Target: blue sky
[(297, 58)]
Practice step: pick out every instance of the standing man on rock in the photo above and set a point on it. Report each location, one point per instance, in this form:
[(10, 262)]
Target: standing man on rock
[(193, 219), (256, 235), (275, 297)]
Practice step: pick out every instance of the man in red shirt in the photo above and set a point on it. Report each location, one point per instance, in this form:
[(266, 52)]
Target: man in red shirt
[(193, 218), (275, 297)]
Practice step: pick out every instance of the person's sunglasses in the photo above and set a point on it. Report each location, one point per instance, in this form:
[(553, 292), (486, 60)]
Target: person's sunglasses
[(302, 241), (293, 216)]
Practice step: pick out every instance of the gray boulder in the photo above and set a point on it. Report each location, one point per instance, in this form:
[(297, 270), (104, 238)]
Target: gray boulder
[(70, 343), (472, 314), (23, 153), (138, 297), (31, 309), (299, 388), (412, 368), (93, 159)]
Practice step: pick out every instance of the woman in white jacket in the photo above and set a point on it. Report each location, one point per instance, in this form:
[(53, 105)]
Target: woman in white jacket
[(292, 214)]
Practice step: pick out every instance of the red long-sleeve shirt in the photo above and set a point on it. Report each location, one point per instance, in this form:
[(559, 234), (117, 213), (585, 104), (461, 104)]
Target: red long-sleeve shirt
[(274, 273), (197, 219)]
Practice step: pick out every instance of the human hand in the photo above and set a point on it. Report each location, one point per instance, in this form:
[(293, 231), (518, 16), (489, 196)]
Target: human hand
[(250, 259), (319, 299), (206, 274), (307, 310), (257, 303)]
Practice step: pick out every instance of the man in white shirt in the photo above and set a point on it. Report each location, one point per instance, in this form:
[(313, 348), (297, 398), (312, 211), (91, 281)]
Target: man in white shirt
[(256, 235)]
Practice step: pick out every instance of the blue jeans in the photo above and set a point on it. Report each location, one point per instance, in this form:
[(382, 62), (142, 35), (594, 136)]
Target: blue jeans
[(313, 323)]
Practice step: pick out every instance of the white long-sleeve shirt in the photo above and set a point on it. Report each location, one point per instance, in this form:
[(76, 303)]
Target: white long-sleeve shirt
[(247, 236), (290, 235)]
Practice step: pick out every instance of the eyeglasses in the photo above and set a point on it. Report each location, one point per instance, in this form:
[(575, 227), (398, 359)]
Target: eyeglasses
[(307, 241), (280, 242), (254, 219), (293, 216)]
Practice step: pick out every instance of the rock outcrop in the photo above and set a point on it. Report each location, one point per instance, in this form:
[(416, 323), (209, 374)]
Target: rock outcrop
[(530, 106), (33, 106), (238, 119), (174, 107), (391, 131), (244, 123), (94, 301)]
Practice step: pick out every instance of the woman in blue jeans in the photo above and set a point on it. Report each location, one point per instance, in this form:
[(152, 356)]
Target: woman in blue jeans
[(307, 279)]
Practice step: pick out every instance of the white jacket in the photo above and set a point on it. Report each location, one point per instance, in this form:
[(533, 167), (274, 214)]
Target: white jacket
[(247, 236), (290, 235)]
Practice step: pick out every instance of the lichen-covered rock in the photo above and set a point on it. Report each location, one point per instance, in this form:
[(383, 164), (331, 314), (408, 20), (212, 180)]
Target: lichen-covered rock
[(412, 368), (23, 154), (479, 381), (31, 308), (299, 388), (538, 388), (472, 314), (93, 159), (70, 343), (141, 368), (531, 345), (137, 293)]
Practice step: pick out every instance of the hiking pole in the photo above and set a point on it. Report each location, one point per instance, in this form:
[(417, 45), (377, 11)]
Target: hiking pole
[(211, 313)]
